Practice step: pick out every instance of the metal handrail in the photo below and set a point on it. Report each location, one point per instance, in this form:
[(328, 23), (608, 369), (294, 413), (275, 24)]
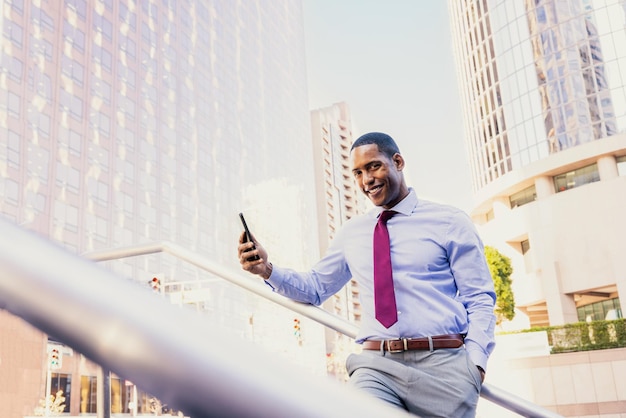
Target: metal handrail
[(169, 352), (493, 394), (139, 336), (236, 277)]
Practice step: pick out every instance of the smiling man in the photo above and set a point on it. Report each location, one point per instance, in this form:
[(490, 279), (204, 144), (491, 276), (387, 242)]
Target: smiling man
[(426, 292)]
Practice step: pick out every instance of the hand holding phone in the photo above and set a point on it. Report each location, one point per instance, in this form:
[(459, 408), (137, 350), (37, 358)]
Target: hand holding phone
[(247, 236)]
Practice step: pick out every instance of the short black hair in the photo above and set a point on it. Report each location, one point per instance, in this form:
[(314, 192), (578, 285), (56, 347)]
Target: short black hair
[(385, 143)]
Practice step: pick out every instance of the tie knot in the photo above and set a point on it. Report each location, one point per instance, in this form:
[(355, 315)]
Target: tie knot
[(386, 215)]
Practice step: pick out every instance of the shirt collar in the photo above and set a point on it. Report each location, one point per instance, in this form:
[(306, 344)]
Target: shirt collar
[(405, 206)]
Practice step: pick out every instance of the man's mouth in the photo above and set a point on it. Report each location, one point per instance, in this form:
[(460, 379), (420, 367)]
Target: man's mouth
[(374, 190)]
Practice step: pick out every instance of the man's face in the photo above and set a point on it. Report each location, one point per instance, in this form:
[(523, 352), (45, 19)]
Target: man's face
[(378, 176)]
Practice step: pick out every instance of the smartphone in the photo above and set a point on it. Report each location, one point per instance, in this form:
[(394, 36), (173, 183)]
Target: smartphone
[(247, 236)]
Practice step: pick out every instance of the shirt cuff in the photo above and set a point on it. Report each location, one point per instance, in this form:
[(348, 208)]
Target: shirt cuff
[(478, 357), (276, 279)]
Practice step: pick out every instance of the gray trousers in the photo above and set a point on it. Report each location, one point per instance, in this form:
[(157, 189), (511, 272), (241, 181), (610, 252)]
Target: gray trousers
[(441, 383)]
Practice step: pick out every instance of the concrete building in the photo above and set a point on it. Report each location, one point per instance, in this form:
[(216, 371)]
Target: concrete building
[(543, 85), (126, 122), (338, 199)]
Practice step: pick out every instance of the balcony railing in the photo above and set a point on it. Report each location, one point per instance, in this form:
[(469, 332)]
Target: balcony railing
[(208, 372)]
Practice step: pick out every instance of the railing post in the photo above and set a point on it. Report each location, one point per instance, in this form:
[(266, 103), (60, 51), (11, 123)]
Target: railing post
[(103, 393)]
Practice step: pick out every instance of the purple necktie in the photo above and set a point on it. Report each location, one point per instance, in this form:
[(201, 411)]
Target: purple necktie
[(384, 295)]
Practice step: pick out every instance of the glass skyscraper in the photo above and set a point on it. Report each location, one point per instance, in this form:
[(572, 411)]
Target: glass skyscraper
[(539, 77), (543, 85), (543, 94), (127, 122)]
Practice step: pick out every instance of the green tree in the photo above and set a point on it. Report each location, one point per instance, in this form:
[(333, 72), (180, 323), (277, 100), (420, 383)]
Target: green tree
[(501, 270)]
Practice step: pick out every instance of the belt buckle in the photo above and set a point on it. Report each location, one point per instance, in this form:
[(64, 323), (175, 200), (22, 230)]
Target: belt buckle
[(404, 345)]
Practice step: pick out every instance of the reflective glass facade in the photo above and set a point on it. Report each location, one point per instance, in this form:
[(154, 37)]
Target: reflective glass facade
[(543, 85), (126, 122), (538, 77), (131, 121)]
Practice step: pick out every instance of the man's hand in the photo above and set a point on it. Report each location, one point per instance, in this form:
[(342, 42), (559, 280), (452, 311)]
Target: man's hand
[(482, 374), (261, 266)]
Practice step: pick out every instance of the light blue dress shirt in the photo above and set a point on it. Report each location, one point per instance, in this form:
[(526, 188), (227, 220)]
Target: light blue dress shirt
[(441, 278)]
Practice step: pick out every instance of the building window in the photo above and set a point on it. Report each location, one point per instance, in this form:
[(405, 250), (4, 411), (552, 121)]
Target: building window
[(62, 382), (598, 311), (128, 16), (126, 75), (17, 5), (100, 122), (529, 264), (74, 36), (13, 32), (14, 105), (41, 18), (96, 226), (11, 191), (102, 89), (66, 216), (103, 57), (126, 106), (41, 84), (78, 6), (490, 215), (621, 165), (75, 142), (103, 25), (13, 67), (99, 193), (40, 47), (576, 178), (14, 149), (40, 123), (73, 70), (73, 182), (525, 245), (520, 198), (120, 396), (88, 394), (128, 45)]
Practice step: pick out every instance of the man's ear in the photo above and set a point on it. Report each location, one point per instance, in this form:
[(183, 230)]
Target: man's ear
[(398, 161)]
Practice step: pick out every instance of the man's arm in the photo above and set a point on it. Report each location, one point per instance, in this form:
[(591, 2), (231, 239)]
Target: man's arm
[(315, 286), (476, 290)]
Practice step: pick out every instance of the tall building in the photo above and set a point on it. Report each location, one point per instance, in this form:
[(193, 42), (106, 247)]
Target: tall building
[(543, 86), (338, 199), (543, 94), (127, 122)]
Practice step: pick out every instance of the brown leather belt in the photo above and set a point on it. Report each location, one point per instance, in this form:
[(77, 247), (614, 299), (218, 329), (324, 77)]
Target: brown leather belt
[(406, 344)]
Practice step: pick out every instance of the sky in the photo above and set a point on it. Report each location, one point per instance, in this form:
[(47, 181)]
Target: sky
[(391, 61)]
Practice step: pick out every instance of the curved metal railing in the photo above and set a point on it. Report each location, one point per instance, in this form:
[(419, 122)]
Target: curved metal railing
[(145, 339)]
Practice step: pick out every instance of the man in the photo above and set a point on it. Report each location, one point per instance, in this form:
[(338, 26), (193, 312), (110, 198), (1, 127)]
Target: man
[(427, 354)]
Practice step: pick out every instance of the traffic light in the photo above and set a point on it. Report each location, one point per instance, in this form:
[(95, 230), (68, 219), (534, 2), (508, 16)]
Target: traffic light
[(155, 283), (54, 359), (296, 328)]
